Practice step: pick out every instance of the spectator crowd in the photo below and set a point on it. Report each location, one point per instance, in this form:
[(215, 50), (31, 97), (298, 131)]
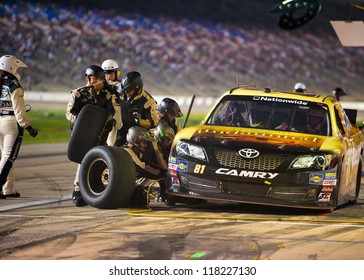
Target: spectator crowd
[(57, 43)]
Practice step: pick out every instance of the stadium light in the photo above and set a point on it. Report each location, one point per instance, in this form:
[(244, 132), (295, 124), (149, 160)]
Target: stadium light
[(295, 13)]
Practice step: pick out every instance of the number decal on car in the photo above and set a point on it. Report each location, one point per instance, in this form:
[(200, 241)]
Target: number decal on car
[(199, 168)]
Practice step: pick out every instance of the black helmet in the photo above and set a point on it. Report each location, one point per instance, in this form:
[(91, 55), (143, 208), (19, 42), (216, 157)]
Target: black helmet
[(131, 81), (136, 135), (164, 134), (169, 106), (94, 70), (337, 92)]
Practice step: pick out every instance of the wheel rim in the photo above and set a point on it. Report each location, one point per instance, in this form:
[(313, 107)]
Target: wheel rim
[(98, 176)]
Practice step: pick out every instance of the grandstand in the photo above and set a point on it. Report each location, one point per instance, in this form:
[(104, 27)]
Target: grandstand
[(177, 53)]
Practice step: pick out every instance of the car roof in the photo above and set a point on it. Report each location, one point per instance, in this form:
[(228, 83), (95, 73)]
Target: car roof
[(327, 99)]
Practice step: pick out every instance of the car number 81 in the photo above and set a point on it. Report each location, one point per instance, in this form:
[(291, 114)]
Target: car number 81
[(199, 169)]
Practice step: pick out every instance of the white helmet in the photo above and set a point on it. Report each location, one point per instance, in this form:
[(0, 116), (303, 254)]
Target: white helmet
[(110, 65), (10, 64), (300, 87)]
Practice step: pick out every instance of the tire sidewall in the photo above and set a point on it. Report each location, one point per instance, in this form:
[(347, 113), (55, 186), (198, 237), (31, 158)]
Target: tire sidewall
[(121, 177), (87, 132)]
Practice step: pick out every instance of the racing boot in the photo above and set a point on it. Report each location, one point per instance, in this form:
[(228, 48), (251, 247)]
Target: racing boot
[(138, 198), (78, 199), (14, 194)]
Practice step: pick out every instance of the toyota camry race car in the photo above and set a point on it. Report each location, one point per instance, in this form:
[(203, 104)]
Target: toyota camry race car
[(272, 148)]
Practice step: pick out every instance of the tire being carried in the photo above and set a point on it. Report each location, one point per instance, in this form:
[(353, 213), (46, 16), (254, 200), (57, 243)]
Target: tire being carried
[(91, 129), (107, 177)]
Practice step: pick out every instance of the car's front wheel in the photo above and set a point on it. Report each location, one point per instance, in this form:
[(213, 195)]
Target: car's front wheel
[(107, 177)]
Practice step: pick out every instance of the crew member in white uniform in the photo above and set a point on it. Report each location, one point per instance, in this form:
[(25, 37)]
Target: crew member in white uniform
[(13, 120)]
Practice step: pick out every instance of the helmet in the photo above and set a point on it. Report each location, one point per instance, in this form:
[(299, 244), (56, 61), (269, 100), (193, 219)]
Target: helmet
[(94, 70), (316, 114), (164, 134), (110, 65), (300, 87), (131, 81), (337, 92), (138, 134), (10, 64), (169, 106)]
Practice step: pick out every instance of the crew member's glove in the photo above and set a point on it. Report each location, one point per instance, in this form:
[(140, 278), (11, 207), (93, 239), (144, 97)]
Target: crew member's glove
[(100, 85), (97, 86), (77, 106), (32, 132), (137, 117)]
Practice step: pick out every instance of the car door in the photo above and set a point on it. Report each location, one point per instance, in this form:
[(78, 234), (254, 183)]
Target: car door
[(350, 161)]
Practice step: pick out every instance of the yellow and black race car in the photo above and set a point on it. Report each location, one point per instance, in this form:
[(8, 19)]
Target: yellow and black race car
[(269, 147)]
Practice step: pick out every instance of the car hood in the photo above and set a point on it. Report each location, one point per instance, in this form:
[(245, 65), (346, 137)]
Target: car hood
[(269, 140)]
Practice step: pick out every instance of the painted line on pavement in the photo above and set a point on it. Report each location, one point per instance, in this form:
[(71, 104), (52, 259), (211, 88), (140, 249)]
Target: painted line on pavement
[(34, 203)]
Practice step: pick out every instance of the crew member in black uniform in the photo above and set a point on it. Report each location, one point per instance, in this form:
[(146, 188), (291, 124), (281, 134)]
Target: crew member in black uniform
[(169, 111), (79, 98), (148, 159), (141, 106)]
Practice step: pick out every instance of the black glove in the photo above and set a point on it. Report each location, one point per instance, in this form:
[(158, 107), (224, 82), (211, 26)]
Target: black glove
[(32, 132), (77, 106), (137, 117)]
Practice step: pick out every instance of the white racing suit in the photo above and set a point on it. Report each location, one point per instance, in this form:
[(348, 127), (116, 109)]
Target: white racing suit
[(13, 120)]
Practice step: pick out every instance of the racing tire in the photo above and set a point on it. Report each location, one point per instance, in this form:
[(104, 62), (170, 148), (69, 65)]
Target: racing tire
[(88, 132), (107, 177)]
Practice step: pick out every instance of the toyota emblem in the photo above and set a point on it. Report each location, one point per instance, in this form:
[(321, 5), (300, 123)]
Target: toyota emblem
[(248, 153)]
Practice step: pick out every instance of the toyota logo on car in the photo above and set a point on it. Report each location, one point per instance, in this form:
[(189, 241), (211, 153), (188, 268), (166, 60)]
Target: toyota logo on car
[(248, 153)]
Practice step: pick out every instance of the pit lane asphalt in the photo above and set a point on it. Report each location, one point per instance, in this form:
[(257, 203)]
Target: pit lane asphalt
[(44, 224)]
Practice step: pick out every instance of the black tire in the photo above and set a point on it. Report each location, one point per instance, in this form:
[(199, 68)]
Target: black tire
[(88, 132), (107, 177)]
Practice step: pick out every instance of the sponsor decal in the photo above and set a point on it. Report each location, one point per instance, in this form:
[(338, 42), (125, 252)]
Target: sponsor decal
[(172, 160), (280, 100), (331, 182), (172, 166), (327, 189), (331, 175), (316, 179), (324, 197), (245, 173), (4, 104), (175, 182), (4, 91), (173, 173), (248, 153), (182, 166)]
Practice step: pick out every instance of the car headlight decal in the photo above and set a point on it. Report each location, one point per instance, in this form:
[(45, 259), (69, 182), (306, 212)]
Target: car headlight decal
[(187, 149), (314, 162)]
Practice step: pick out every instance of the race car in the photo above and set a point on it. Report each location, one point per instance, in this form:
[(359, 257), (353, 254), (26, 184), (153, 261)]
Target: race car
[(270, 148)]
